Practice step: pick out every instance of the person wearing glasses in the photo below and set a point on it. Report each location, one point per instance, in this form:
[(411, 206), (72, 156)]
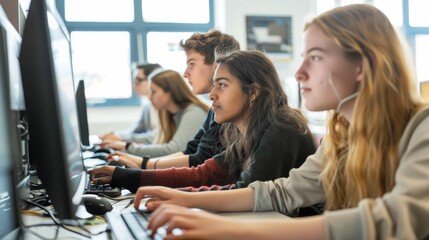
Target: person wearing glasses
[(144, 130)]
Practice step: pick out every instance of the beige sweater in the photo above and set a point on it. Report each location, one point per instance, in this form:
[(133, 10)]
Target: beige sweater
[(402, 213)]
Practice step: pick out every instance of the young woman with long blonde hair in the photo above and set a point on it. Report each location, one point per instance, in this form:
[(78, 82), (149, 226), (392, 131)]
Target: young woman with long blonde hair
[(372, 169)]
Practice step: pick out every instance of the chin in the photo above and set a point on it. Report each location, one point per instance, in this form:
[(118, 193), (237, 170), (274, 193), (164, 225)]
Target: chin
[(218, 120)]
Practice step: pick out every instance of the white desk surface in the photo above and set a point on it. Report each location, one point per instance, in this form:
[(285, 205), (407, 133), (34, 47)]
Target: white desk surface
[(49, 232)]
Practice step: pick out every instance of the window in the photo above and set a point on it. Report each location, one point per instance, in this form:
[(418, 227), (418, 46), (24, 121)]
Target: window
[(414, 23), (109, 37)]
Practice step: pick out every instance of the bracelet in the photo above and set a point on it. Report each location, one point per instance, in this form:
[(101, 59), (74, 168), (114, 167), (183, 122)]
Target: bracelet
[(146, 158), (154, 165)]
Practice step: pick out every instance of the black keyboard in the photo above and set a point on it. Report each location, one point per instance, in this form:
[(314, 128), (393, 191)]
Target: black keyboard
[(103, 189), (132, 225)]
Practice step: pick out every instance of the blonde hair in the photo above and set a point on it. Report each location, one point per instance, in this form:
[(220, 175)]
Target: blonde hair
[(172, 82), (361, 155)]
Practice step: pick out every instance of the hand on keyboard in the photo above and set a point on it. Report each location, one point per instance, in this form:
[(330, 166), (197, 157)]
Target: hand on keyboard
[(101, 175)]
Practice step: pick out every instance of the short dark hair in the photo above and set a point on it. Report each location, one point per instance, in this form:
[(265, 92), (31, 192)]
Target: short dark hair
[(148, 67), (210, 44)]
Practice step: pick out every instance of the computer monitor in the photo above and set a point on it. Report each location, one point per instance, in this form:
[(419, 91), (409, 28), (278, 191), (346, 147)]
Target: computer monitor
[(47, 79), (11, 76), (82, 115), (9, 214)]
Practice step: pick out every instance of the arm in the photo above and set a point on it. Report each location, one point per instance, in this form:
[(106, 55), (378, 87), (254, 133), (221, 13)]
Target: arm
[(219, 201), (147, 137), (206, 174), (200, 225), (303, 188), (186, 128), (168, 162)]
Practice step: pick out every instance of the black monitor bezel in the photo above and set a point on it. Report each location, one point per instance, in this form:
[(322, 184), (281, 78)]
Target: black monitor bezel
[(47, 137), (82, 114)]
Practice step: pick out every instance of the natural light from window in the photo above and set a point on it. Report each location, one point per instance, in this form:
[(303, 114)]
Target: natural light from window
[(183, 11), (99, 10), (102, 59), (164, 48)]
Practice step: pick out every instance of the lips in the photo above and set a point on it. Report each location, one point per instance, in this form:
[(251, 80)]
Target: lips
[(305, 90), (215, 107)]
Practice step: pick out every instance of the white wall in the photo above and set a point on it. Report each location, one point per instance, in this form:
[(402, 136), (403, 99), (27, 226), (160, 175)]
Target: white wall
[(229, 18)]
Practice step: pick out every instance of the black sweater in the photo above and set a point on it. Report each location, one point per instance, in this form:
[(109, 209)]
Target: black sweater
[(206, 142)]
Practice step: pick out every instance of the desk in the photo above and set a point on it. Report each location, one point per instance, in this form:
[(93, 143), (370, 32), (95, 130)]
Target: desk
[(49, 232)]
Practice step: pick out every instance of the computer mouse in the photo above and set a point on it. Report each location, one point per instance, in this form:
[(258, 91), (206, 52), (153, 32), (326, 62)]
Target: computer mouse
[(105, 150), (96, 205)]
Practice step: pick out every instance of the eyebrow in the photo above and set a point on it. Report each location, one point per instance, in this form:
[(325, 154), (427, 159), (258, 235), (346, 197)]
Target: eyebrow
[(220, 78), (191, 59), (315, 49)]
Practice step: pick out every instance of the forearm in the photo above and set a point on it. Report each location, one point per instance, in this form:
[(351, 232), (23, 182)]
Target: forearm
[(168, 162), (303, 228), (223, 201), (210, 173)]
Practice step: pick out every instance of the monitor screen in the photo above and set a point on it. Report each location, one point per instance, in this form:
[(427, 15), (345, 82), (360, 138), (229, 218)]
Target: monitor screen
[(82, 114), (47, 79), (8, 210), (12, 41), (9, 48)]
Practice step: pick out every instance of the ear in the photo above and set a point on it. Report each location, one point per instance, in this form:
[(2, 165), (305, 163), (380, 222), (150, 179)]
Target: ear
[(359, 72), (254, 92)]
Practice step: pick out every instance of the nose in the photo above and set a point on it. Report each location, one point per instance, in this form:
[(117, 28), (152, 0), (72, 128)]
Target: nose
[(301, 74), (149, 95), (186, 73), (212, 95)]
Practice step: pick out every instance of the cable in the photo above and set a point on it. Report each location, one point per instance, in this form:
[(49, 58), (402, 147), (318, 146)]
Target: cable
[(58, 223)]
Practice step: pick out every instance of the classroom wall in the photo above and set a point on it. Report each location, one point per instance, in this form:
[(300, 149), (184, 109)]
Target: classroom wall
[(229, 18)]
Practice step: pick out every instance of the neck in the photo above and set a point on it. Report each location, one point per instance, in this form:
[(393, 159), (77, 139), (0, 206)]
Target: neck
[(345, 106), (173, 108)]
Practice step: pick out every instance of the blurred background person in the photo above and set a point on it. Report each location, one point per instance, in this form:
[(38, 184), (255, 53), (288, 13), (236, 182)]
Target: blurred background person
[(180, 115), (145, 129)]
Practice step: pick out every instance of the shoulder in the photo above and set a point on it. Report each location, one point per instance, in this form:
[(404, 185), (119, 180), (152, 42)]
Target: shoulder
[(418, 125), (286, 134), (192, 112), (193, 109)]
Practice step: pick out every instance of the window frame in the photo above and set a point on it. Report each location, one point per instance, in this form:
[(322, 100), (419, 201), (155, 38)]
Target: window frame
[(137, 29)]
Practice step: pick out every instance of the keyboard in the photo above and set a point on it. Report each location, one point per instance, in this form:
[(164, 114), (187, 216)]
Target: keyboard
[(103, 189), (131, 224)]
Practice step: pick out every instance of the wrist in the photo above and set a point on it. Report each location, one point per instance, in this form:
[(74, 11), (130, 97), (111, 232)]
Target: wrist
[(145, 158), (127, 145)]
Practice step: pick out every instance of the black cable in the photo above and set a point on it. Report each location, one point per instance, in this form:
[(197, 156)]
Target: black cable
[(56, 221)]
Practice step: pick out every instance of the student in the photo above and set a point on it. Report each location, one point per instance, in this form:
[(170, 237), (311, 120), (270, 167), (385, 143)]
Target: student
[(200, 51), (144, 131), (372, 168), (264, 137), (180, 112)]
